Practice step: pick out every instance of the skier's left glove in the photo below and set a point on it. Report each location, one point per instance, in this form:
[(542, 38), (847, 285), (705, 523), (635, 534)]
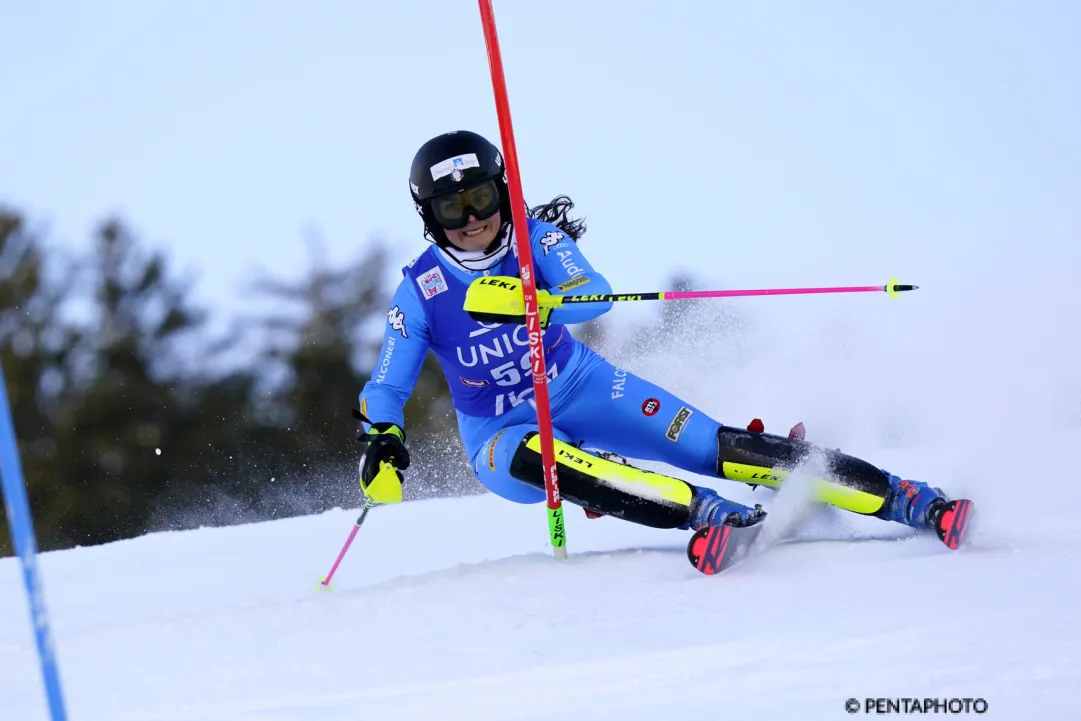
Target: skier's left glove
[(499, 299)]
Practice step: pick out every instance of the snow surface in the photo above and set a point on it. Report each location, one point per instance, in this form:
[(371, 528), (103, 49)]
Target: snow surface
[(456, 609)]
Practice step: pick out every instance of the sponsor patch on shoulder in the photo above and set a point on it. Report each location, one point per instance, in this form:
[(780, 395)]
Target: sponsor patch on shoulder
[(675, 428), (432, 283), (573, 283)]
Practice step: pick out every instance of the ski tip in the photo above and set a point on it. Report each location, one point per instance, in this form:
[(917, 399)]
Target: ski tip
[(707, 549), (953, 525), (696, 547)]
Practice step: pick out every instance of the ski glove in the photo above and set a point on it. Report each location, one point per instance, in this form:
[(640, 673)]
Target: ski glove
[(386, 442), (499, 299)]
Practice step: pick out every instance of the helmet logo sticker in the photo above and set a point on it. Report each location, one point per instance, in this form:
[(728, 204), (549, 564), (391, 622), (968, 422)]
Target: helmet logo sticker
[(454, 166)]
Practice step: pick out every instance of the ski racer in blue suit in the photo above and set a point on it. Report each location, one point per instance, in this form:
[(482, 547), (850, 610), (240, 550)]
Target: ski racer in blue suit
[(458, 183)]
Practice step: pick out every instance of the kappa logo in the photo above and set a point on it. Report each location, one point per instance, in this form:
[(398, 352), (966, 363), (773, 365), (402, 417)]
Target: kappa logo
[(396, 318), (551, 239), (675, 428), (432, 283)]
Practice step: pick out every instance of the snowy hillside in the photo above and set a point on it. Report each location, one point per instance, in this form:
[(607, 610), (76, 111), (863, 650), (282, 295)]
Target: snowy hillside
[(733, 146), (455, 609)]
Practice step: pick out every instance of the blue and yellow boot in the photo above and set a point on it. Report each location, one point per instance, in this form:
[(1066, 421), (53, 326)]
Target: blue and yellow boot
[(709, 508), (916, 504)]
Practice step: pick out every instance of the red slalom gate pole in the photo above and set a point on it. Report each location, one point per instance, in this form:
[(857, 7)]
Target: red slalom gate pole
[(556, 528)]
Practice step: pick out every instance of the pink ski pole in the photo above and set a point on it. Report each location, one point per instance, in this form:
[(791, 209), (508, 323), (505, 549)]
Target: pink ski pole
[(325, 582), (892, 288)]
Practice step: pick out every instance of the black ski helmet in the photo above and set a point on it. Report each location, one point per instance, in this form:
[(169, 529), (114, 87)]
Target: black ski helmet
[(447, 164)]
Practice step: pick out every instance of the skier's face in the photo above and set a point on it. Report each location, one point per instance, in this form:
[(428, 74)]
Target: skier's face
[(478, 235)]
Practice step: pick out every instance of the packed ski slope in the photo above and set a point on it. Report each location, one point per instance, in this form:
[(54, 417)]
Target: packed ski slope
[(455, 609)]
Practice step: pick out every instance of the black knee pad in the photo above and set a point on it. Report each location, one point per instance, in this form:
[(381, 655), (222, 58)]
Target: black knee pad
[(738, 447), (613, 489)]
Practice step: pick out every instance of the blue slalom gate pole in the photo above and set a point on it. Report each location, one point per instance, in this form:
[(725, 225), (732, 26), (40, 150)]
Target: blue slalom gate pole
[(26, 547)]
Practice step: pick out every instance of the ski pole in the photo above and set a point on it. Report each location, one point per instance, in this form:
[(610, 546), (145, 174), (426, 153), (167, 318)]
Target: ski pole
[(386, 487), (892, 288), (325, 581)]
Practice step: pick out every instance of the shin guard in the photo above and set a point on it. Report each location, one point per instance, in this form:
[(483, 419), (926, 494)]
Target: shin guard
[(606, 487), (763, 459)]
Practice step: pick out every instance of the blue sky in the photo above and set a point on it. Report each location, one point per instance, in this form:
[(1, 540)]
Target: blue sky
[(755, 143)]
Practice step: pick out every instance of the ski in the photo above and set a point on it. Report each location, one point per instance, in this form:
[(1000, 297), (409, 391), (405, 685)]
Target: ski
[(717, 548), (952, 525)]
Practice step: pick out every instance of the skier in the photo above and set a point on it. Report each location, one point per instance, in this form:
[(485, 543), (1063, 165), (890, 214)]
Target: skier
[(459, 187)]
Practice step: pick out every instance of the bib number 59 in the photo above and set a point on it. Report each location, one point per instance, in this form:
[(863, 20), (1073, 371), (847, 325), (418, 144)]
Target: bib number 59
[(508, 375)]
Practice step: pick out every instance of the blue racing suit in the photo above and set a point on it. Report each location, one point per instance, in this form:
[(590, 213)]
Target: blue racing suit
[(487, 369), (594, 404)]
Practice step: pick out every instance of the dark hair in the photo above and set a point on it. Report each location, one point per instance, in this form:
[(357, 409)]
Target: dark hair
[(555, 212)]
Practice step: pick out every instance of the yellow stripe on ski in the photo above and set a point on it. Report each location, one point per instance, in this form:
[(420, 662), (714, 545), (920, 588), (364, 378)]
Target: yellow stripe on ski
[(670, 489), (827, 491)]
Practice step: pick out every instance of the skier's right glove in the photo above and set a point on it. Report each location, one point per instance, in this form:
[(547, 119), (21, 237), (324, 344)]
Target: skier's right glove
[(385, 451)]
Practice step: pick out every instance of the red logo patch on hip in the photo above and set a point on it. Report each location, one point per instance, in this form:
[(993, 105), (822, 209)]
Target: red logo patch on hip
[(651, 406)]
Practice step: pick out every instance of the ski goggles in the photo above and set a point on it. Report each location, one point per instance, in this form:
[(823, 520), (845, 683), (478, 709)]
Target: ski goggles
[(453, 210)]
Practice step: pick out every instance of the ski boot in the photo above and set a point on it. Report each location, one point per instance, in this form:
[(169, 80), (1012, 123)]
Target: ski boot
[(712, 509), (920, 506), (724, 531)]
